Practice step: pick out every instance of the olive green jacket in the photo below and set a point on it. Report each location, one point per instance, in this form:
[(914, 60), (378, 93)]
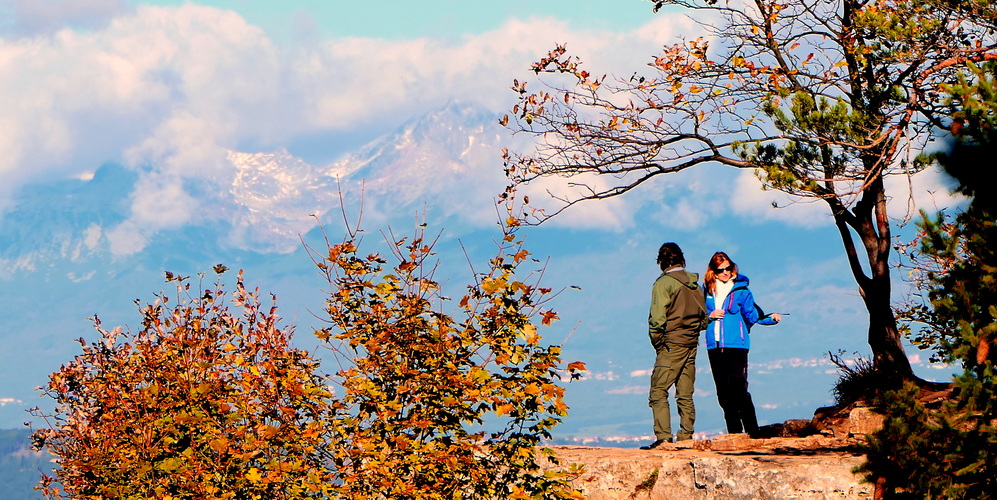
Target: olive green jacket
[(678, 309)]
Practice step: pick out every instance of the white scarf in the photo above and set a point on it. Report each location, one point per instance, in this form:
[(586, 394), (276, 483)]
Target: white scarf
[(721, 290)]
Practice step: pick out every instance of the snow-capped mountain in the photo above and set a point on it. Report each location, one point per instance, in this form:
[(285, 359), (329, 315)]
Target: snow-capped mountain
[(445, 161), (273, 197), (428, 157), (63, 220)]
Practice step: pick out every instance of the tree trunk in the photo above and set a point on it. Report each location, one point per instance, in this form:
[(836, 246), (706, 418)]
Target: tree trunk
[(884, 337), (869, 220)]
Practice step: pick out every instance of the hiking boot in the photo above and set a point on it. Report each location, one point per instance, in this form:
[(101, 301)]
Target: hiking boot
[(656, 444)]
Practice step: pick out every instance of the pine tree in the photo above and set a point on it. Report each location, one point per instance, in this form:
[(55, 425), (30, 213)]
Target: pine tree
[(949, 451)]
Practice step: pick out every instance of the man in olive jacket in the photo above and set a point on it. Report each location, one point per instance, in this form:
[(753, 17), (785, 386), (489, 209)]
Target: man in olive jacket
[(678, 314)]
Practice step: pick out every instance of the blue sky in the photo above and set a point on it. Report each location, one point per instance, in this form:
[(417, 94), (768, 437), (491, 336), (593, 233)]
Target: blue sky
[(407, 20), (169, 88), (295, 21)]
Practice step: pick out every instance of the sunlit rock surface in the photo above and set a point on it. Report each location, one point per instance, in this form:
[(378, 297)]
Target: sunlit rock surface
[(728, 467)]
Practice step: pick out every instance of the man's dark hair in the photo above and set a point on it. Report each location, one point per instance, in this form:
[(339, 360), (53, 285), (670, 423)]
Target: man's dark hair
[(670, 255)]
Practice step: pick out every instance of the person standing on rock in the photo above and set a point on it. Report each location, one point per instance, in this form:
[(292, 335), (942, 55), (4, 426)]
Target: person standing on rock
[(732, 314), (677, 316)]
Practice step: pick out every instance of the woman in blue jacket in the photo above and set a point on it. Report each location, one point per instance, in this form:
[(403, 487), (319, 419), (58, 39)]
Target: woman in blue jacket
[(732, 314)]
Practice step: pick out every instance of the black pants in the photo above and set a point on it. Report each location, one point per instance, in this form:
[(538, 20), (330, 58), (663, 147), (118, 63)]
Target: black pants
[(730, 372)]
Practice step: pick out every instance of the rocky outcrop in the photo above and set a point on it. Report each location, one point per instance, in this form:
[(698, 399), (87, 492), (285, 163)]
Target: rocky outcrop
[(728, 467), (798, 459), (854, 420)]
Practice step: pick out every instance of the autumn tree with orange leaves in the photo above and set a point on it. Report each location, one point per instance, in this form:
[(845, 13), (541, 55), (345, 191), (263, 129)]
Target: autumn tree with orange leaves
[(822, 99), (202, 403), (444, 406)]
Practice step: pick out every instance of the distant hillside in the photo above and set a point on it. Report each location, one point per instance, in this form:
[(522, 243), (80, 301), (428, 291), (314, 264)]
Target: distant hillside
[(20, 468)]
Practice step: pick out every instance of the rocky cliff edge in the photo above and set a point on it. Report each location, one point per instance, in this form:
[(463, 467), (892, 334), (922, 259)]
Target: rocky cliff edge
[(801, 459)]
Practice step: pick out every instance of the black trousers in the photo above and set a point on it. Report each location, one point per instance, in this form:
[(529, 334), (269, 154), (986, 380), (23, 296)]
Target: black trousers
[(730, 372)]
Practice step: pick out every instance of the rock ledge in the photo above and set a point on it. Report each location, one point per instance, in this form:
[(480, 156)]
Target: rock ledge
[(799, 459), (728, 467)]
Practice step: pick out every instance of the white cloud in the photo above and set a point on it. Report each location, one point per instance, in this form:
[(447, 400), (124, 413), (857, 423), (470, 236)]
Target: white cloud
[(628, 389), (751, 201), (168, 90), (185, 145), (160, 201), (75, 278), (688, 200), (91, 236), (693, 198), (780, 364), (355, 79), (77, 99), (127, 238), (613, 213), (33, 17), (929, 190)]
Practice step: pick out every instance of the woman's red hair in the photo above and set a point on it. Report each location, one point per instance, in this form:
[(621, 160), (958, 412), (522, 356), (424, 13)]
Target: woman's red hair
[(710, 278)]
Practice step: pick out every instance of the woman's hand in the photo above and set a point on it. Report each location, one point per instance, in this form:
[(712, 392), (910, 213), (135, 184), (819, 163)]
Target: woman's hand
[(776, 317), (717, 314)]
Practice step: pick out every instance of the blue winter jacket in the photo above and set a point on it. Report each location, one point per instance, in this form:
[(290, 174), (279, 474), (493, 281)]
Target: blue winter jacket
[(740, 314)]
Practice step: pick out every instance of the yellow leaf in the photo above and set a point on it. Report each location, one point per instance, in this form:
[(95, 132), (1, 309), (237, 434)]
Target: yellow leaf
[(384, 289), (254, 475), (530, 333), (218, 444), (269, 431), (503, 409)]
